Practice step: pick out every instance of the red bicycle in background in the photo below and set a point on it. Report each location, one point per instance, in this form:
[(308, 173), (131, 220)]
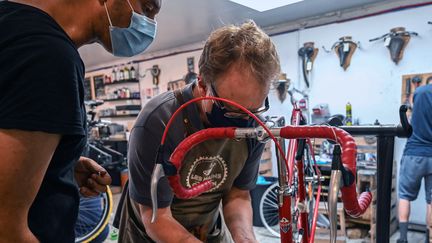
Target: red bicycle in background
[(296, 178)]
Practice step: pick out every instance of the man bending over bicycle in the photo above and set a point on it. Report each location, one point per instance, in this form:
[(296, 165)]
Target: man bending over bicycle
[(237, 63)]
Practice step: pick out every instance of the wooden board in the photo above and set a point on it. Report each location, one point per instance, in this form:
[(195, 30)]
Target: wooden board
[(324, 238), (323, 209)]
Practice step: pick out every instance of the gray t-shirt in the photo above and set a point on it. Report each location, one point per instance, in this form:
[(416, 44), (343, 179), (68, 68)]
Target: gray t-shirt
[(145, 140), (226, 162)]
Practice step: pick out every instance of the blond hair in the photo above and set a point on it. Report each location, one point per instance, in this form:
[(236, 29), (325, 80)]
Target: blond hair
[(247, 44)]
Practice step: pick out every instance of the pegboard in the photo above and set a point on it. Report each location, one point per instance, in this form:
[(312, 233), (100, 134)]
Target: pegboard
[(407, 96)]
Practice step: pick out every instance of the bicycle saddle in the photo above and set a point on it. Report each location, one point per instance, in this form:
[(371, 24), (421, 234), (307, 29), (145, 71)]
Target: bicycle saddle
[(93, 103), (396, 41)]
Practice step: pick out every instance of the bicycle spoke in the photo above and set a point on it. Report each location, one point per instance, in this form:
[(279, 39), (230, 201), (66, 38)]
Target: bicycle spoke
[(92, 217)]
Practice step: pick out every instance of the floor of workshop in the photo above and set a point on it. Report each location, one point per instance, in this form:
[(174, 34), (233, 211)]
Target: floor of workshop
[(263, 235)]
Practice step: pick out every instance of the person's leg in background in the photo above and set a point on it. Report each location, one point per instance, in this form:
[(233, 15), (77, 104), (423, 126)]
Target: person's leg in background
[(412, 170), (404, 212), (428, 194), (429, 223)]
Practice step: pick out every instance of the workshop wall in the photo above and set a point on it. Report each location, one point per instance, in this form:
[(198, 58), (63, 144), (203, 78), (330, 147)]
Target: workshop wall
[(172, 68), (372, 83)]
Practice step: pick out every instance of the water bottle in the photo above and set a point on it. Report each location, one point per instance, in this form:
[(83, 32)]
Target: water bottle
[(114, 235), (348, 109)]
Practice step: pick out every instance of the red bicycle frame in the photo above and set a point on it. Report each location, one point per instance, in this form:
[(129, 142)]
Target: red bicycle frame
[(285, 181), (353, 206), (285, 196)]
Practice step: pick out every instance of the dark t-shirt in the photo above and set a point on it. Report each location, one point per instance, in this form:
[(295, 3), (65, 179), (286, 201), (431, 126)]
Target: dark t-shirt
[(420, 142), (41, 89)]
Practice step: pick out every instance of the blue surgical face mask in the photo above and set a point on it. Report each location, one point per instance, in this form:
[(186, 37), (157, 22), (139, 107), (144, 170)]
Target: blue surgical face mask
[(217, 118), (133, 40)]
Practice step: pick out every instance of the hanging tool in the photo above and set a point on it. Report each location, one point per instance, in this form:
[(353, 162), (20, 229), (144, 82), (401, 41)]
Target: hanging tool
[(155, 72), (417, 80), (407, 93)]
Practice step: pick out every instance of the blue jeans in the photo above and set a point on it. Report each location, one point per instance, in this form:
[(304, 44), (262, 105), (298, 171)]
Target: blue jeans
[(413, 169)]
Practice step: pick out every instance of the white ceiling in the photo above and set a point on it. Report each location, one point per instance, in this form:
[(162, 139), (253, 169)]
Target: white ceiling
[(182, 22)]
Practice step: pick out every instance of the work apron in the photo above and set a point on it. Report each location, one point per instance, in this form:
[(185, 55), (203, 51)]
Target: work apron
[(219, 160)]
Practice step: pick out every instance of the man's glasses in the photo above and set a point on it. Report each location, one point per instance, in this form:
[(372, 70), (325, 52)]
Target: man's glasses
[(231, 113)]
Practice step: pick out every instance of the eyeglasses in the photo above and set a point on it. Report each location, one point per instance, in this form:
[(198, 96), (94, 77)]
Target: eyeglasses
[(231, 113)]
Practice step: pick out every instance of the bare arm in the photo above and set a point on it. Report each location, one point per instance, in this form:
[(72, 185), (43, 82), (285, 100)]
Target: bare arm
[(165, 228), (237, 210), (25, 157)]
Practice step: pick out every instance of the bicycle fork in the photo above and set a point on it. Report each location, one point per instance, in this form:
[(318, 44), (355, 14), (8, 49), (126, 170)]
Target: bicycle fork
[(292, 221), (284, 197), (301, 204)]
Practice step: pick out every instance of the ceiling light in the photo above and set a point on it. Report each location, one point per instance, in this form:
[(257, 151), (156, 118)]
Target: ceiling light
[(262, 6)]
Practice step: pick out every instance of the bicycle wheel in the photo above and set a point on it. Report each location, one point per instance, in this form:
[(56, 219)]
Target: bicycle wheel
[(269, 209), (93, 216)]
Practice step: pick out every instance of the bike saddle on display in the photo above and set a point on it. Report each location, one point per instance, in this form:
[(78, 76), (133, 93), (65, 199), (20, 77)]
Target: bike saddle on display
[(307, 54), (344, 48), (281, 86), (396, 41)]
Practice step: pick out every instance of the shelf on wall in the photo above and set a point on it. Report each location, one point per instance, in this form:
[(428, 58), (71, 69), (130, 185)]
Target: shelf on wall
[(118, 99), (124, 81), (118, 116)]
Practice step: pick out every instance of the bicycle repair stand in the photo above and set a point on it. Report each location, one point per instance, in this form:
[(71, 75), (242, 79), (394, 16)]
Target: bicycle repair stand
[(385, 148)]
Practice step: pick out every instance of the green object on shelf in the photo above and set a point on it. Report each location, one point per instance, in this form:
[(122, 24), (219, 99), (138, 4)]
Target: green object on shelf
[(114, 235), (348, 109)]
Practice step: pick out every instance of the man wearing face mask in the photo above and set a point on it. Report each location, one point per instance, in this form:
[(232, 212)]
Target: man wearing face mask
[(42, 114), (237, 63)]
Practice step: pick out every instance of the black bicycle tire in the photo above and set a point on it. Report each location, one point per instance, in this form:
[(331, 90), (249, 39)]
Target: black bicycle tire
[(103, 222)]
